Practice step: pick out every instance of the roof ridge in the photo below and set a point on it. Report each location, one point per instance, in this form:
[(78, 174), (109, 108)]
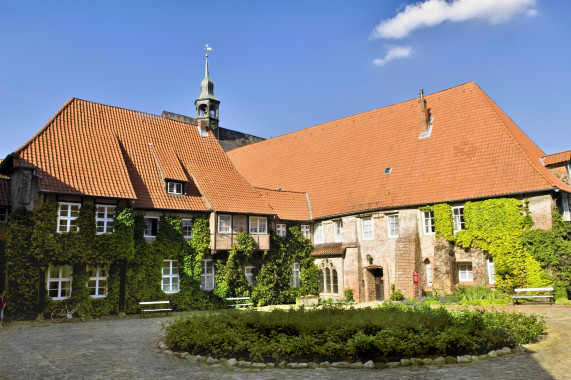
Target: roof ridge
[(45, 127), (553, 154), (487, 99), (350, 116)]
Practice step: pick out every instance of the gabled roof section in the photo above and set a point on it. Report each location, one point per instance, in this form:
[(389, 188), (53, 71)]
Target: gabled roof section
[(474, 151), (287, 205), (98, 150), (557, 158)]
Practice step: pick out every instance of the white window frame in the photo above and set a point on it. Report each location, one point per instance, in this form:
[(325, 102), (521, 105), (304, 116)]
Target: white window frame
[(281, 230), (170, 279), (566, 213), (174, 187), (465, 272), (458, 218), (224, 224), (569, 174), (249, 273), (3, 214), (186, 223), (367, 226), (428, 222), (147, 220), (294, 281), (207, 279), (65, 273), (106, 221), (318, 237), (491, 271), (328, 285), (393, 225), (338, 230), (70, 221), (428, 268), (100, 280), (306, 231), (258, 225)]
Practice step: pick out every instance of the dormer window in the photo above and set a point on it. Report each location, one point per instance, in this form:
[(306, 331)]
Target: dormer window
[(174, 187)]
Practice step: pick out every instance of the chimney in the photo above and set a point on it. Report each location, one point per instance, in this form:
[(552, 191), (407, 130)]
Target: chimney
[(423, 116), (202, 128)]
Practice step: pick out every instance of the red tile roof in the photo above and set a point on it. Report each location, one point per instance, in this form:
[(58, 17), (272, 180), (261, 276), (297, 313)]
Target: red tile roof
[(474, 150), (98, 150), (287, 205), (557, 158), (4, 192)]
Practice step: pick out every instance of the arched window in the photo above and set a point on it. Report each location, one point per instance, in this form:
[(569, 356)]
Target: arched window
[(334, 281), (328, 279)]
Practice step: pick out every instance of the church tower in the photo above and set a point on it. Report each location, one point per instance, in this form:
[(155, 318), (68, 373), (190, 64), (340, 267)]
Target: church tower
[(207, 104)]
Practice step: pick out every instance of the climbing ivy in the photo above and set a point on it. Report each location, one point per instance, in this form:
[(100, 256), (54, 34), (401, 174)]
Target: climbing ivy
[(33, 244), (496, 226), (443, 223), (552, 250), (22, 267), (230, 277), (200, 245), (275, 273)]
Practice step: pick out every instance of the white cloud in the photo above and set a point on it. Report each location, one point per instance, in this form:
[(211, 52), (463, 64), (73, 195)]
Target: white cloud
[(531, 12), (434, 12), (393, 53)]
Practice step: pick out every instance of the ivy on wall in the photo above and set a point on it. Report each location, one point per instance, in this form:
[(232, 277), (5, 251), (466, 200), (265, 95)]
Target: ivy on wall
[(33, 244), (273, 279), (496, 226), (230, 276), (552, 250)]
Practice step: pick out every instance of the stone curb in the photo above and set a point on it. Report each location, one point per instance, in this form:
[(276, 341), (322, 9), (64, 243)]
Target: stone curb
[(369, 365)]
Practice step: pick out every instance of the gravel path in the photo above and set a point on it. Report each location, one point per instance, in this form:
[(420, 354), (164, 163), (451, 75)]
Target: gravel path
[(126, 349)]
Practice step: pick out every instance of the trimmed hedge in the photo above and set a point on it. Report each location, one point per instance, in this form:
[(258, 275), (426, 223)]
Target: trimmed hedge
[(386, 333)]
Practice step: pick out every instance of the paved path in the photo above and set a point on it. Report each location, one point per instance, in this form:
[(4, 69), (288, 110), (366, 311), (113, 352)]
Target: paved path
[(126, 349)]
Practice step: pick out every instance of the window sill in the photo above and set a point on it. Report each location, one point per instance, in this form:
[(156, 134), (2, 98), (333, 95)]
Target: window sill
[(171, 292), (99, 296)]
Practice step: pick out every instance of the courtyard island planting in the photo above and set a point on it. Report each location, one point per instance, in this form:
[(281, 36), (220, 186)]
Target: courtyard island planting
[(383, 334)]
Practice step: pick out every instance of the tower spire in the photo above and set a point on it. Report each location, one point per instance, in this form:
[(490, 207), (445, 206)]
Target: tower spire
[(207, 103)]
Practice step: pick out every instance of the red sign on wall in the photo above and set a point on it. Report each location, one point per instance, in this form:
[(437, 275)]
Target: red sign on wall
[(415, 277)]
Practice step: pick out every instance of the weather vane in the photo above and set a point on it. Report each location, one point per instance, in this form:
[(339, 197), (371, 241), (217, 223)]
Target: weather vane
[(207, 48)]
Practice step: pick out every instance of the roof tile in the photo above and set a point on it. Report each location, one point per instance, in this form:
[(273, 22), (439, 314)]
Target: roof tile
[(98, 150), (474, 151)]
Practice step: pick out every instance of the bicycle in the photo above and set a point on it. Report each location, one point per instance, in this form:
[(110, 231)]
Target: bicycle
[(61, 314)]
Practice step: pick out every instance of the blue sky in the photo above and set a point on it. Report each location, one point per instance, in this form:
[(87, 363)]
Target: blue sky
[(282, 66)]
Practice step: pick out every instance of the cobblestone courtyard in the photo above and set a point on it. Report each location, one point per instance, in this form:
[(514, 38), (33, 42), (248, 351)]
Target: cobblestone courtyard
[(126, 349)]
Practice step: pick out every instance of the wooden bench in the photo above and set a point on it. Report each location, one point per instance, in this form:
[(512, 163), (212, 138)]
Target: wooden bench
[(235, 305), (151, 306), (526, 290)]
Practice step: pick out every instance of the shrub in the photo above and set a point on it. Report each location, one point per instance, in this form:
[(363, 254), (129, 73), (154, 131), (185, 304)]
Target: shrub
[(349, 295), (389, 332), (396, 294)]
